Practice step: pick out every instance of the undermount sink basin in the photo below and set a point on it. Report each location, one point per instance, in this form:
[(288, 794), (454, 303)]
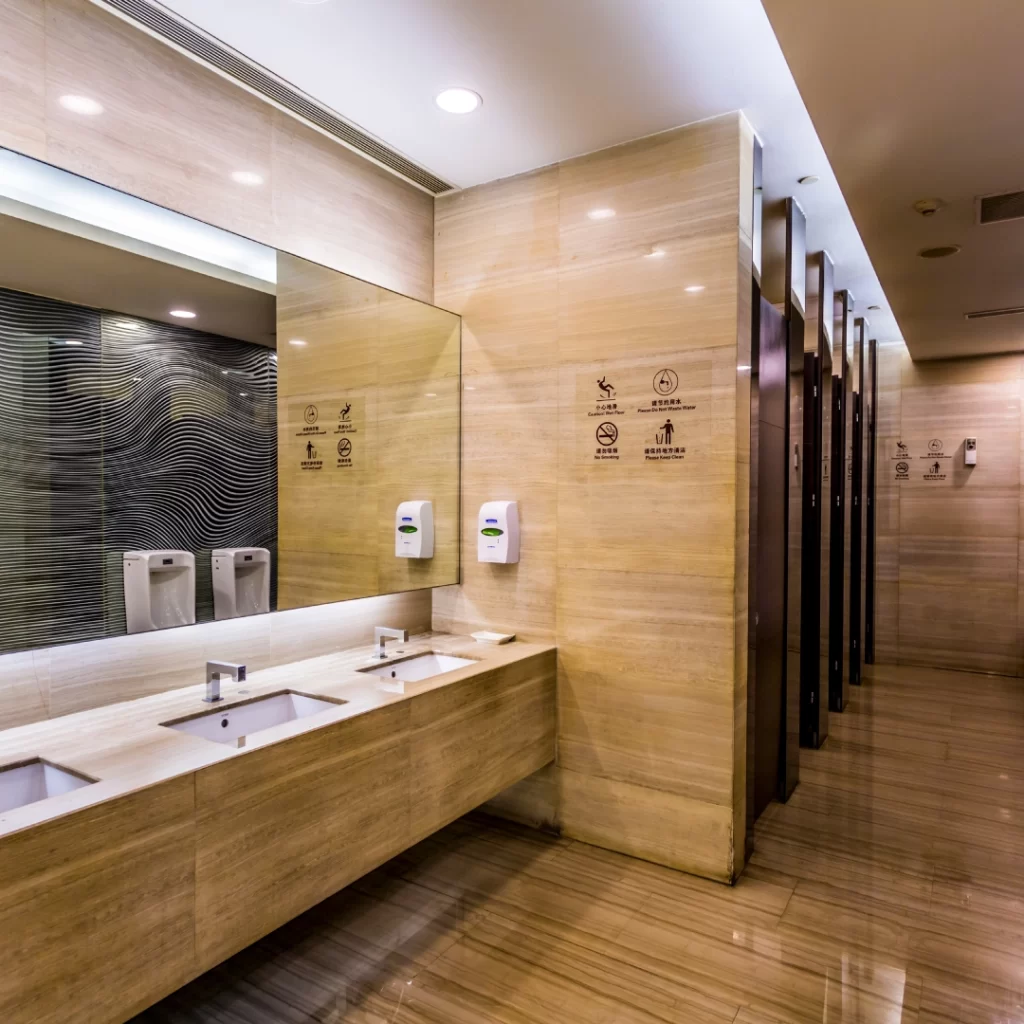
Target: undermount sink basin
[(422, 666), (232, 723), (31, 781)]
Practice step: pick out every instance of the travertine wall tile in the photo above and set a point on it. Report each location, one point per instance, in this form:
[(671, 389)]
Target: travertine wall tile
[(23, 76), (639, 558)]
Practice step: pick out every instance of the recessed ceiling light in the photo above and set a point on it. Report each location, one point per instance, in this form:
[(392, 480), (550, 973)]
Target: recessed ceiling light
[(874, 307), (458, 101), (808, 179), (136, 380), (469, 387), (601, 213), (81, 105), (654, 254), (431, 394), (273, 357), (937, 252), (183, 314), (72, 342), (243, 394), (297, 342), (247, 178), (693, 289), (743, 367)]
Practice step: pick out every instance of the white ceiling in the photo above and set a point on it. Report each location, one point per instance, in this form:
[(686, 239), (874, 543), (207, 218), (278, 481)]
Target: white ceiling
[(558, 78), (926, 104)]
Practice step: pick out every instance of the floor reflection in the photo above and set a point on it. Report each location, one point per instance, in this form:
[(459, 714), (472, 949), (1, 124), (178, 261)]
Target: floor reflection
[(888, 890)]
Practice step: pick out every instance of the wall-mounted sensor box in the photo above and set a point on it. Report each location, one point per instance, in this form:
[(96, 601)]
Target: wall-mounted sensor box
[(970, 451), (497, 538), (414, 530)]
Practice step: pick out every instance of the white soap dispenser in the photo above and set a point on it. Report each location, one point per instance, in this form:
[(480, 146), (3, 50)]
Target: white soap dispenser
[(414, 530), (497, 538)]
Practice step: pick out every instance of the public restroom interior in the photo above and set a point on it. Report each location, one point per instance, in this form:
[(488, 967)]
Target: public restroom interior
[(511, 512)]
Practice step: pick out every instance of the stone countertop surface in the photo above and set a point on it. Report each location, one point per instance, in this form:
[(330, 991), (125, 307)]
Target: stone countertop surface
[(125, 748)]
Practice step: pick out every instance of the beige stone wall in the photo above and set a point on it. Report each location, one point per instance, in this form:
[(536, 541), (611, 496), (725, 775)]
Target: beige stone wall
[(948, 560), (636, 568)]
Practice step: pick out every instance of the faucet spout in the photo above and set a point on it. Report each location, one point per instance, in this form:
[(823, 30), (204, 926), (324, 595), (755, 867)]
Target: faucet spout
[(382, 634), (214, 670)]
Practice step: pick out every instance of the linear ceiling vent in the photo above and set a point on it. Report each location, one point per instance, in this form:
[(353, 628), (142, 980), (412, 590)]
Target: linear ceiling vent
[(984, 314), (257, 78), (1007, 206)]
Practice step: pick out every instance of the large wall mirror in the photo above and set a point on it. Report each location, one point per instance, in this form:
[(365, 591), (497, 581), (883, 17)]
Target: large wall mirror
[(194, 426)]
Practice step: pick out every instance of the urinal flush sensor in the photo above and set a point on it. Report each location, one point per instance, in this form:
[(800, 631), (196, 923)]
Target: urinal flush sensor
[(414, 530), (970, 451), (497, 538)]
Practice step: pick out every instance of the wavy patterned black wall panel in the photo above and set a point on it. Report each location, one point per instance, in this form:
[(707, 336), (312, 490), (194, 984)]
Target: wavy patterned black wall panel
[(135, 435), (51, 580)]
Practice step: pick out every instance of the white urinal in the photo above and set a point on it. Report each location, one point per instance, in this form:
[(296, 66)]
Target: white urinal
[(159, 589), (241, 582)]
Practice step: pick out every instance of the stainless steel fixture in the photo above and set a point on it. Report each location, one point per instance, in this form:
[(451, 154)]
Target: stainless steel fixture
[(214, 670), (382, 634)]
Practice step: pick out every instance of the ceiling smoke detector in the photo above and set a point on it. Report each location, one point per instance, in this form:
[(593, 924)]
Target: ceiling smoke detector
[(928, 207), (938, 252)]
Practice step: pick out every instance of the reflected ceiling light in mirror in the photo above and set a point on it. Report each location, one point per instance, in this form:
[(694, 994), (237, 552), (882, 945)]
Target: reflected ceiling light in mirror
[(85, 105), (250, 178), (743, 368), (601, 213), (458, 101), (694, 289), (297, 342), (183, 314), (68, 341), (243, 394)]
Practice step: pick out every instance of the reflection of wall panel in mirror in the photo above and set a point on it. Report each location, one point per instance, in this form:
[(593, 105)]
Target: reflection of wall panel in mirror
[(119, 434), (368, 417)]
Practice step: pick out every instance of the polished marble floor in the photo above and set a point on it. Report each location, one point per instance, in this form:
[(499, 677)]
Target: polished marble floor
[(889, 889)]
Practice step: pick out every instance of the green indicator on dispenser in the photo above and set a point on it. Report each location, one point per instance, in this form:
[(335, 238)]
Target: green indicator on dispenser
[(407, 529), (492, 531)]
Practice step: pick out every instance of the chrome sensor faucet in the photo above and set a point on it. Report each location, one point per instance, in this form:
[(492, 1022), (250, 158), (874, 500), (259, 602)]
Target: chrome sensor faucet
[(214, 670), (381, 635)]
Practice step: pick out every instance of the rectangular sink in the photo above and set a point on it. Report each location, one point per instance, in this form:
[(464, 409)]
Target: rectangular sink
[(233, 722), (31, 781), (422, 666)]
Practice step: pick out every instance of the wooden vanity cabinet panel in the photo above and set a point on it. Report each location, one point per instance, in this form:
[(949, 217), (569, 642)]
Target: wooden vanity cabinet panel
[(96, 909), (471, 740), (288, 825)]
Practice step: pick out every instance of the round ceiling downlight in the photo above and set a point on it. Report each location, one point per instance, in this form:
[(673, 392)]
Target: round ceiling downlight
[(938, 252), (458, 101)]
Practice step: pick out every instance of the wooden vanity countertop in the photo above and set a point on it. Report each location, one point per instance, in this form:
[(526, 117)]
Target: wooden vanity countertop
[(126, 749)]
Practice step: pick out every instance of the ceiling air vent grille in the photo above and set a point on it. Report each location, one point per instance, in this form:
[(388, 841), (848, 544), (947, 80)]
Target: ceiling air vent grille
[(1007, 206), (233, 64), (984, 314)]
